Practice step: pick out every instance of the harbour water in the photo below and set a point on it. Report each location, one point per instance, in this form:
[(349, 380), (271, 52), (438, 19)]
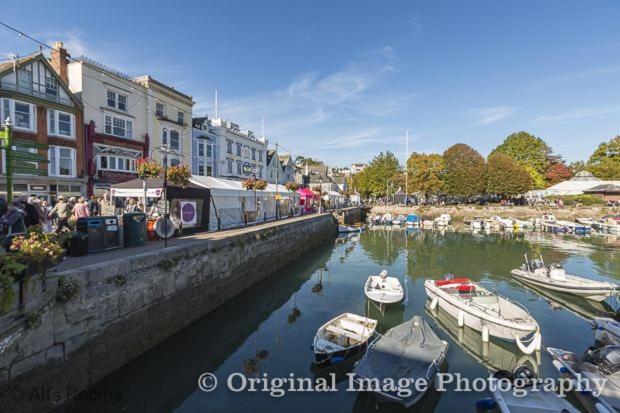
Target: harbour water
[(268, 329)]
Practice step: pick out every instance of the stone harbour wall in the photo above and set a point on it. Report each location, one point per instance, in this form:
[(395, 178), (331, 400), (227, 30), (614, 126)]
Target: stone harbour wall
[(128, 305)]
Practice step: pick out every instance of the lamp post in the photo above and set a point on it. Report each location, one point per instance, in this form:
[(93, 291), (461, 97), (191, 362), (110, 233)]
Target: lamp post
[(165, 151), (7, 138)]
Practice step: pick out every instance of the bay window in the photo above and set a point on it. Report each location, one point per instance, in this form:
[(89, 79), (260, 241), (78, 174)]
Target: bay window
[(62, 161), (22, 115), (116, 163), (60, 123)]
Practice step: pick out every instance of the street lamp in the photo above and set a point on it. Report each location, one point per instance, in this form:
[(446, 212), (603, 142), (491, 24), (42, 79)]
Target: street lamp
[(164, 151)]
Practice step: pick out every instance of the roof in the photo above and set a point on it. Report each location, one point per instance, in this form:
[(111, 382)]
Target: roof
[(221, 185), (605, 188), (147, 80), (583, 181), (584, 176), (270, 154), (19, 61), (339, 180), (199, 121), (150, 183)]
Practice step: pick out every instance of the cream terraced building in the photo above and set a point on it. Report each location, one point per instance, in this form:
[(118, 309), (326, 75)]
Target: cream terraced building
[(168, 120)]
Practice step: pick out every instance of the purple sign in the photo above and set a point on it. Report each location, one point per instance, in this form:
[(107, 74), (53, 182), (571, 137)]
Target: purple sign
[(188, 212)]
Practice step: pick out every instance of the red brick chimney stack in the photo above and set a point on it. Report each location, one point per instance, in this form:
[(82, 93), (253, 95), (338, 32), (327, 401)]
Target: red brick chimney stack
[(60, 59)]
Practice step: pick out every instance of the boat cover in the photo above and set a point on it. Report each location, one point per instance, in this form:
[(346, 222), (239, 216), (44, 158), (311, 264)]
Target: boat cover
[(407, 350)]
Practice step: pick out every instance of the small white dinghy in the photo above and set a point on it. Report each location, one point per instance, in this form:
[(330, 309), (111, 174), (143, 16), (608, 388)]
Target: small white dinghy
[(607, 331), (554, 277), (383, 289), (342, 337), (443, 220), (344, 229), (485, 311)]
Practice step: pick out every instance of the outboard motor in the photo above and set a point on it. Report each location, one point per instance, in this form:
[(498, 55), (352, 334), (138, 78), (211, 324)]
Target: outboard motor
[(383, 274)]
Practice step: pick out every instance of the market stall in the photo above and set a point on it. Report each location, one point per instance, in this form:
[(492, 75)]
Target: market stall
[(306, 199), (232, 205), (188, 206)]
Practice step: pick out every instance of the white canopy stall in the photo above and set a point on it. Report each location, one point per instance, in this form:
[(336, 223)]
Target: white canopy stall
[(233, 206)]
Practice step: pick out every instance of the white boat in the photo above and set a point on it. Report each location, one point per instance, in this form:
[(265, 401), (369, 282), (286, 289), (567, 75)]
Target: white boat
[(485, 311), (585, 221), (521, 224), (343, 229), (376, 220), (574, 227), (342, 337), (476, 223), (554, 277), (548, 219), (505, 223), (399, 220), (387, 219), (428, 224), (383, 289), (443, 220)]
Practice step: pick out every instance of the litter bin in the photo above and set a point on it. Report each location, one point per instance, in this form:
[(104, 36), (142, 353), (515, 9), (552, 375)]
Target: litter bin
[(134, 228), (102, 232), (78, 245)]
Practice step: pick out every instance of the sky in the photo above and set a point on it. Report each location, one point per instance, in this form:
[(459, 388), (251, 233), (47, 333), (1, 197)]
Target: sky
[(343, 80)]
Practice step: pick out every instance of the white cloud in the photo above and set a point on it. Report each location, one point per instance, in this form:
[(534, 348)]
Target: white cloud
[(580, 113), (485, 116)]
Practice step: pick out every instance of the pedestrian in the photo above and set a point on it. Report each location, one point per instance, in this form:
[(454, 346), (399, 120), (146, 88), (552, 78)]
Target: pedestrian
[(131, 205), (94, 208), (80, 209), (32, 216), (61, 212)]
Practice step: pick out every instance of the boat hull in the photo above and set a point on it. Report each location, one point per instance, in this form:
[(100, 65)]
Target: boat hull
[(596, 292), (477, 319), (338, 356)]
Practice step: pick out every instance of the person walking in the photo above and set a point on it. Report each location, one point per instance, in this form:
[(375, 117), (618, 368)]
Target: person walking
[(32, 216), (94, 209), (61, 212), (80, 209)]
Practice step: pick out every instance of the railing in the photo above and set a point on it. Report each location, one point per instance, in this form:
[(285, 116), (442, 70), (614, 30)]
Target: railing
[(38, 90)]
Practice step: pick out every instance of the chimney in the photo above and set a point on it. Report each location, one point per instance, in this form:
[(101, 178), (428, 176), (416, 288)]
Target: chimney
[(59, 61)]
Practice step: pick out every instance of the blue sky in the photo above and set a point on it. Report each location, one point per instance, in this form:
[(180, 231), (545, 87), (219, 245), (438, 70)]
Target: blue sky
[(342, 80)]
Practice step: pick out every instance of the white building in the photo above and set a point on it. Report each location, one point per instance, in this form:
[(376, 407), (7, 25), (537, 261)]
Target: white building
[(582, 181), (240, 154), (115, 115), (204, 144), (169, 119), (357, 168)]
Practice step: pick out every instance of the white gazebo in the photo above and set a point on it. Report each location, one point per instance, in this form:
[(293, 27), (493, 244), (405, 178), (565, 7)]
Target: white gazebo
[(581, 182)]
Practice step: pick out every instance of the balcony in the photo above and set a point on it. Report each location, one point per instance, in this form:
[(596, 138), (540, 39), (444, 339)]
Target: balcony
[(37, 90)]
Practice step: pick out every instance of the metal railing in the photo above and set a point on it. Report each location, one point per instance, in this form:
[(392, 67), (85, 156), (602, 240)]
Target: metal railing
[(38, 91)]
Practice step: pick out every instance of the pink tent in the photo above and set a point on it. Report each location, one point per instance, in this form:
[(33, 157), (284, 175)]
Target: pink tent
[(306, 197)]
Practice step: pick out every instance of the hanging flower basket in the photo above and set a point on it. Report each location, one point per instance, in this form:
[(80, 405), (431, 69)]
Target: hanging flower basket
[(179, 175), (291, 186), (256, 184), (148, 168)]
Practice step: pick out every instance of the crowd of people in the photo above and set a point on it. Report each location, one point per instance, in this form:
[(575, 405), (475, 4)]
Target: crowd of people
[(25, 212)]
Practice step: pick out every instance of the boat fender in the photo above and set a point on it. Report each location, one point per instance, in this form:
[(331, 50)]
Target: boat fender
[(461, 318), (529, 349), (434, 303), (485, 334)]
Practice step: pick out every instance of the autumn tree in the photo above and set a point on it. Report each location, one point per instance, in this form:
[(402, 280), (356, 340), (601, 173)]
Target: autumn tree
[(604, 163), (505, 176), (424, 173), (463, 174), (531, 151), (558, 172)]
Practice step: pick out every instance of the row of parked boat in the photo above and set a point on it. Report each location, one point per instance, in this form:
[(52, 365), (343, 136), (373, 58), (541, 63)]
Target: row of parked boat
[(547, 222), (413, 349)]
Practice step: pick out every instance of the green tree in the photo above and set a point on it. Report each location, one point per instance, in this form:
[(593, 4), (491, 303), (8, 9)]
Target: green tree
[(463, 171), (373, 180), (302, 160), (424, 173), (528, 150), (604, 163), (506, 177)]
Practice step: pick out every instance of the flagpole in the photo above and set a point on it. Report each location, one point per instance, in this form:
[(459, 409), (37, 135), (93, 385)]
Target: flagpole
[(406, 166)]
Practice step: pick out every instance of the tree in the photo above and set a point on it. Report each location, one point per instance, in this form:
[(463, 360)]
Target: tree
[(576, 166), (424, 173), (528, 150), (604, 163), (463, 171), (374, 178), (558, 172), (506, 177), (302, 160)]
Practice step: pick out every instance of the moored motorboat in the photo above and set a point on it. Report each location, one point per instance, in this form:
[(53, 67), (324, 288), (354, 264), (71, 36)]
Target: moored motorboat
[(606, 331), (428, 224), (574, 227), (476, 223), (399, 220), (343, 229), (412, 220), (387, 219), (443, 220), (554, 277), (376, 220), (527, 400), (383, 289), (597, 373), (410, 351), (485, 311), (342, 337)]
